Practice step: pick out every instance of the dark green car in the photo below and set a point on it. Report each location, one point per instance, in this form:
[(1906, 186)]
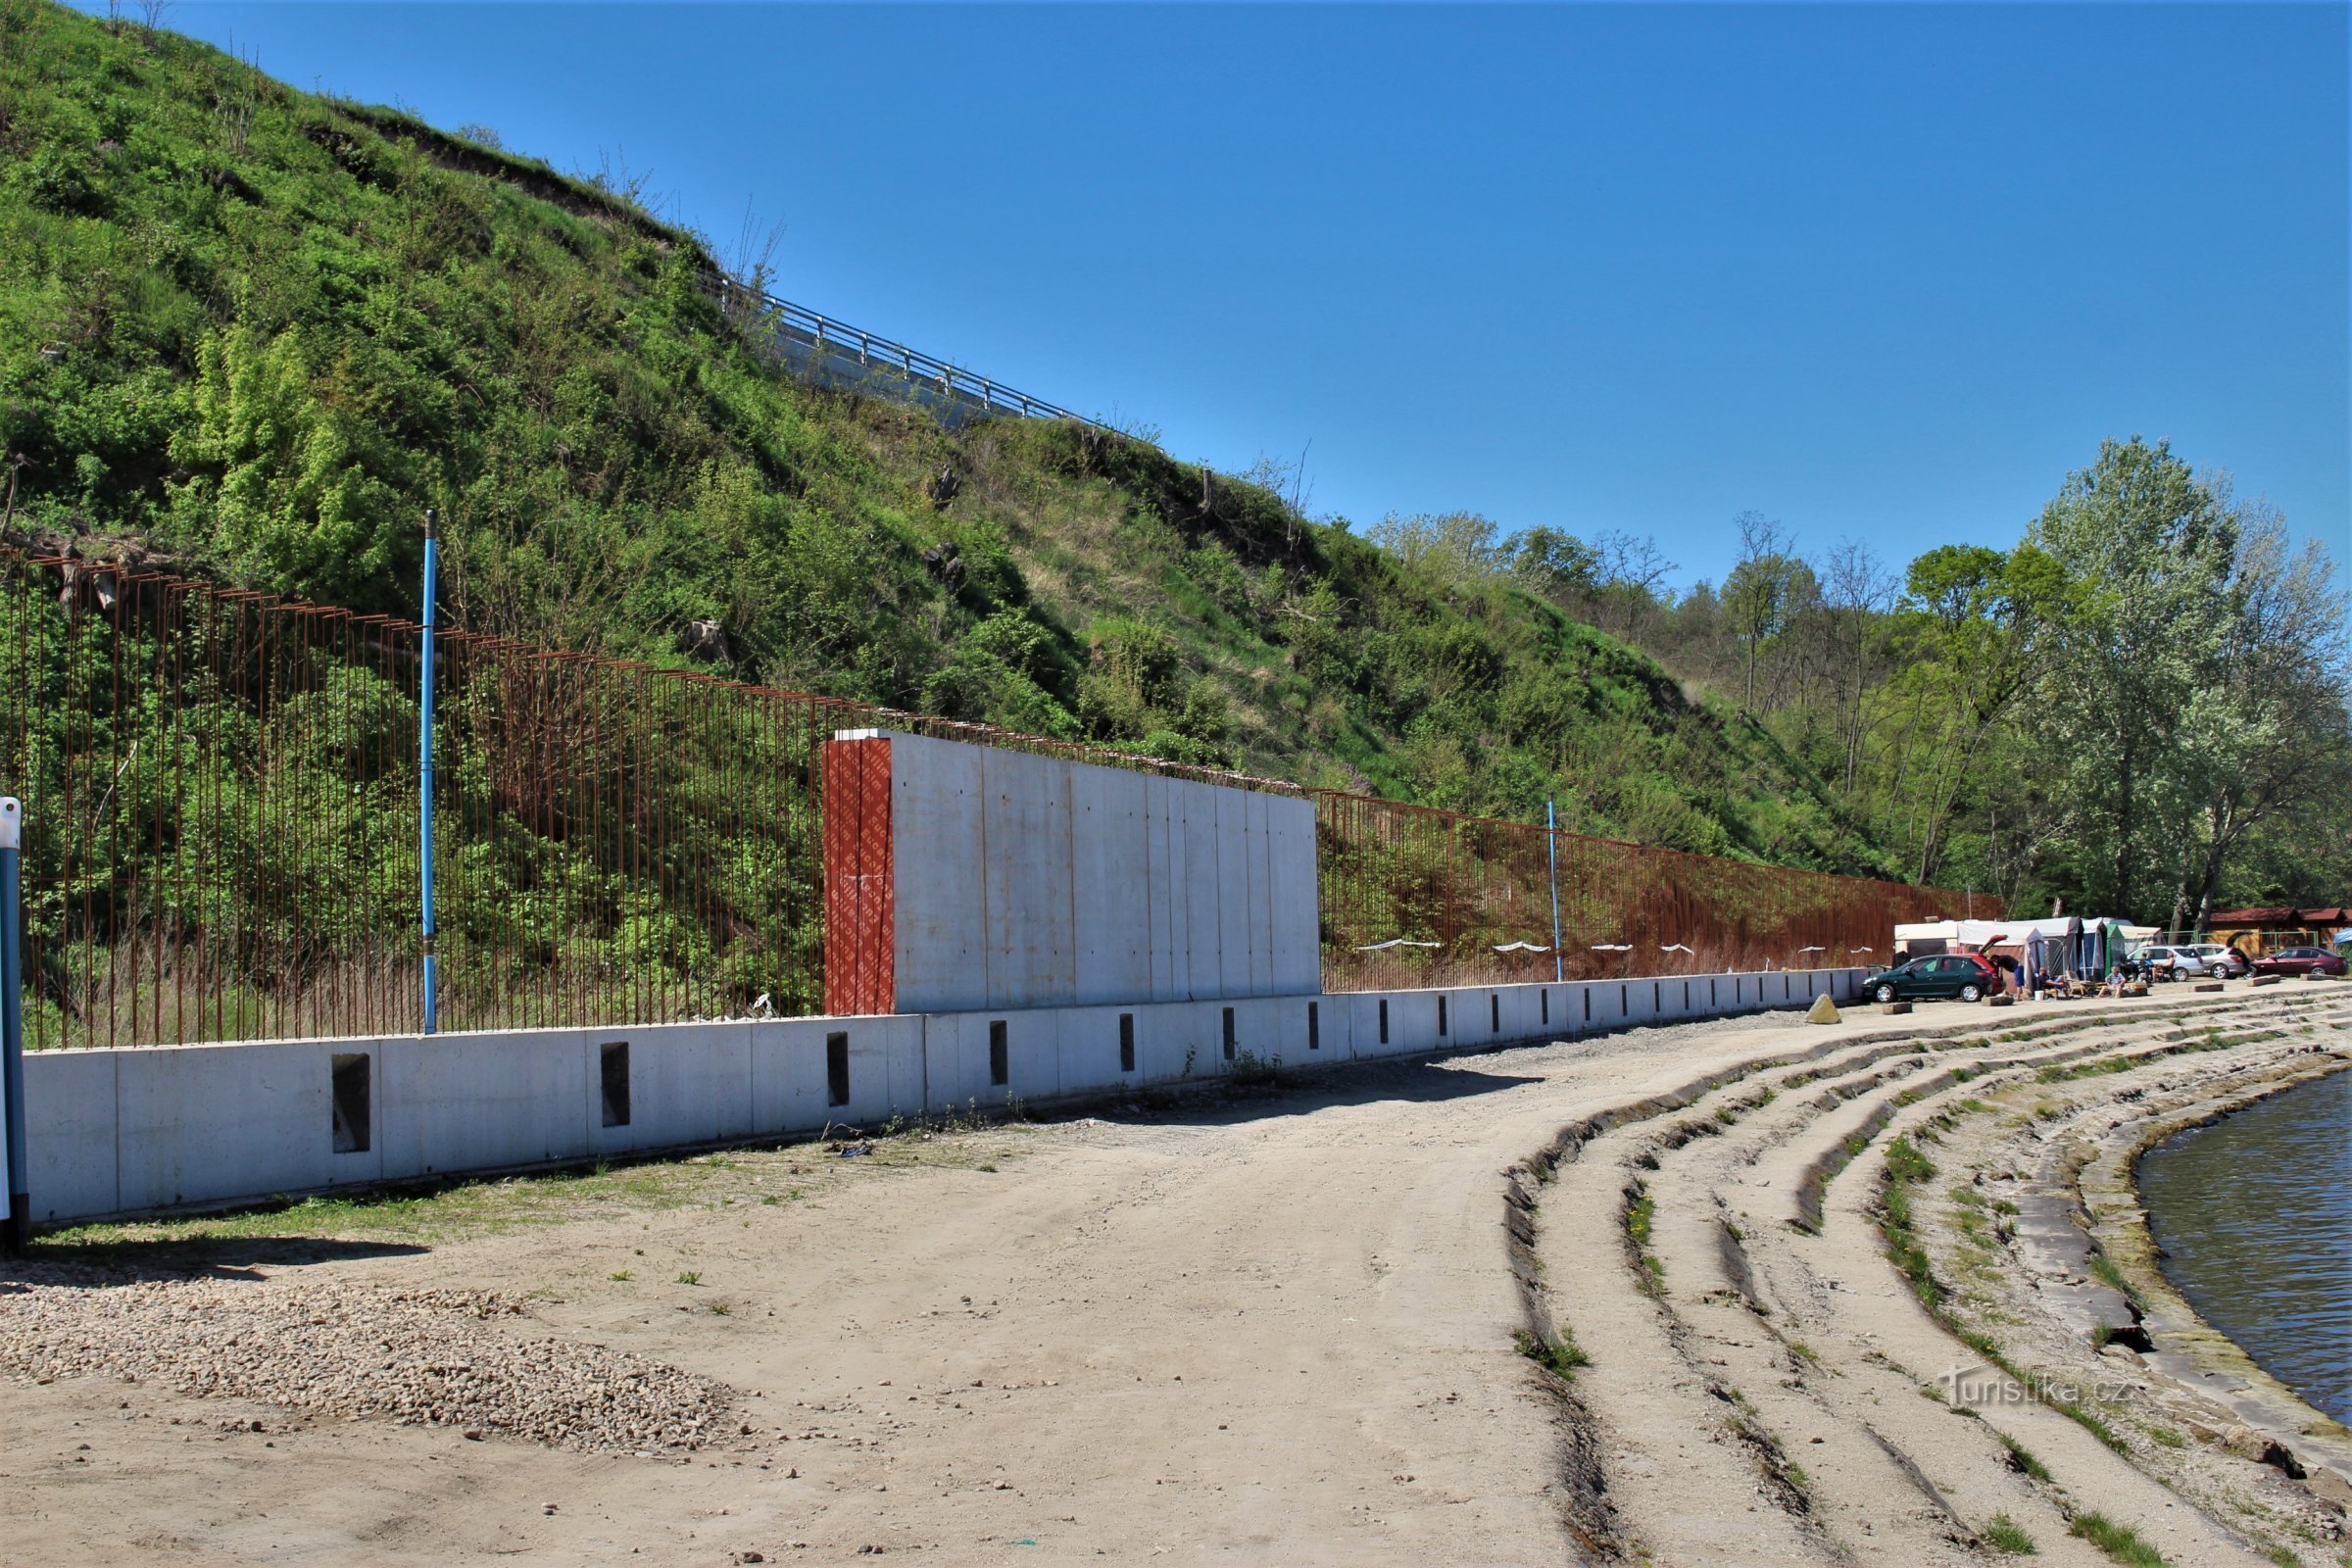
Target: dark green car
[(1947, 974)]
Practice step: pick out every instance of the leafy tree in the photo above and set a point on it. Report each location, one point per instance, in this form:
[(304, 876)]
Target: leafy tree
[(2152, 551)]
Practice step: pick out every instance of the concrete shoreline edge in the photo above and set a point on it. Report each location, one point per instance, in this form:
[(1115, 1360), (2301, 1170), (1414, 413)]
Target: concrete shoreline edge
[(2188, 1349)]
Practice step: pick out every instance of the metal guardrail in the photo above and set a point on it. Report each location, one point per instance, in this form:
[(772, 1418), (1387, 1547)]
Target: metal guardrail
[(829, 335)]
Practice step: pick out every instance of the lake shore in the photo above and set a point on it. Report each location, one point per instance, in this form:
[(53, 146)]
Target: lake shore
[(1901, 1295)]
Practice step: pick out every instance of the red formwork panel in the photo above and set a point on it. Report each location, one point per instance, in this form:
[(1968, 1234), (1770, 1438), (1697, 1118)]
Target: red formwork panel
[(860, 900)]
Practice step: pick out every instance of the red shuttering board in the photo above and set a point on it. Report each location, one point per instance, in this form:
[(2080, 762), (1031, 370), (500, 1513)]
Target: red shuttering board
[(861, 912)]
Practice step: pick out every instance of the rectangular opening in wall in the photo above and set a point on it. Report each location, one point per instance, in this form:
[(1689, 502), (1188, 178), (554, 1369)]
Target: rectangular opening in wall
[(999, 1053), (1587, 1004), (349, 1084), (836, 1068), (612, 1073), (1545, 1008), (1126, 1042), (1715, 997), (1228, 1034), (1493, 1012), (1686, 996), (1624, 1001), (1784, 988), (1383, 1020), (1314, 1026), (1441, 1017)]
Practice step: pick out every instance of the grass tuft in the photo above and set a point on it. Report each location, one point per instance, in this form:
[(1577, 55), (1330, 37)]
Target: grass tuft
[(2119, 1542), (1561, 1357), (2021, 1458), (2005, 1534)]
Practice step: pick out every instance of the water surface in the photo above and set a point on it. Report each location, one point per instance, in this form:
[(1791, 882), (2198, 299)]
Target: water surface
[(2255, 1214)]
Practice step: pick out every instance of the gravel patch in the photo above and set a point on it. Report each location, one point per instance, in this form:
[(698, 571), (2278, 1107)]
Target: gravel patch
[(420, 1358)]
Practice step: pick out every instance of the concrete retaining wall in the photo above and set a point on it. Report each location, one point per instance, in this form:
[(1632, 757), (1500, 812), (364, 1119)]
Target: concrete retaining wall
[(124, 1130), (1020, 880)]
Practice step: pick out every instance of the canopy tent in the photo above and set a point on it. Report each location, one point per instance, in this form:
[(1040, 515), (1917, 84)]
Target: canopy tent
[(2054, 946), (1981, 934)]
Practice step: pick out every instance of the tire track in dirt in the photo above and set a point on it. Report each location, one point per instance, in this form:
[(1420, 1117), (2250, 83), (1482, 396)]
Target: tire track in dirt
[(1710, 1382)]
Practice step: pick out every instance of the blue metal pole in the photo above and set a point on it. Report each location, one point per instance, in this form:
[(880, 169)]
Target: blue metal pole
[(424, 757), (12, 1021), (1551, 845)]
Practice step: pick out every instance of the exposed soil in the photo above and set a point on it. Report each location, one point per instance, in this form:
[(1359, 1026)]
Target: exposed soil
[(1285, 1326)]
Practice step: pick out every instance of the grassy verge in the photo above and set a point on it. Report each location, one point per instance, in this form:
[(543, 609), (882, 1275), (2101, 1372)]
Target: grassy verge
[(458, 1208)]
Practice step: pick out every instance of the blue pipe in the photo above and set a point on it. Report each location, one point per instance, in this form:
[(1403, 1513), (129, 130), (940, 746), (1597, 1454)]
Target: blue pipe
[(12, 1021), (424, 757), (1551, 845)]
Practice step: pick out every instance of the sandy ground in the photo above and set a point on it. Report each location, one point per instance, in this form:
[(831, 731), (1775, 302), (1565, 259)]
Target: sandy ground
[(1271, 1328)]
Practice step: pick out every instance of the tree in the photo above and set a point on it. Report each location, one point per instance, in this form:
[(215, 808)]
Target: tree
[(2272, 739), (1856, 589), (1756, 594), (1456, 548), (1980, 625), (1558, 565), (1632, 575), (2151, 549)]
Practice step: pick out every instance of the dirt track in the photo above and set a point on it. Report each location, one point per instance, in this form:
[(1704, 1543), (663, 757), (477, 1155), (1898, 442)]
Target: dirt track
[(1277, 1329)]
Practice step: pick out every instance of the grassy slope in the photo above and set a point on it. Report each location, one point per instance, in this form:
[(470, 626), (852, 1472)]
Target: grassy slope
[(258, 330)]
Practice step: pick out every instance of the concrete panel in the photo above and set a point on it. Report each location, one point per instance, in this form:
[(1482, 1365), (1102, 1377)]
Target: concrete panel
[(1324, 1040), (399, 1109), (961, 1059), (1087, 1050), (1030, 941), (71, 1147), (1260, 930), (1164, 893), (939, 849), (788, 1074), (1177, 1041), (508, 1098), (688, 1084), (1193, 826), (909, 1070), (202, 1122), (1414, 1019), (954, 1081), (1110, 842), (869, 1103), (1231, 814), (1263, 1027), (1033, 1052), (1296, 899), (1525, 1015)]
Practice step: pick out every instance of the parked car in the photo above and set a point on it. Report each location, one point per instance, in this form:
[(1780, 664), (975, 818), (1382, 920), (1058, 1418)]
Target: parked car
[(2299, 960), (1964, 975), (2192, 960)]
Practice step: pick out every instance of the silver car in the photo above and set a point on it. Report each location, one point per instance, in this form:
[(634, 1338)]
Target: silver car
[(2194, 960)]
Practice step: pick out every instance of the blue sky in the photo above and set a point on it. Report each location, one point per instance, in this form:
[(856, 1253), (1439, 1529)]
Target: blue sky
[(1885, 272)]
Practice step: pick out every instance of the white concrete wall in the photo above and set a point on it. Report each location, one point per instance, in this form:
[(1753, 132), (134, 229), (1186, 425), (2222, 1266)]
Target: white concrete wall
[(1028, 881), (147, 1128)]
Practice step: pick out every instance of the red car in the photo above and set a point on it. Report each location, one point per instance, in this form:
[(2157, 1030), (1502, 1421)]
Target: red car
[(2299, 960)]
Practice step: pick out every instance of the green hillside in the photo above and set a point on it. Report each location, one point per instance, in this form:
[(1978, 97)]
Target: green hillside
[(254, 331)]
